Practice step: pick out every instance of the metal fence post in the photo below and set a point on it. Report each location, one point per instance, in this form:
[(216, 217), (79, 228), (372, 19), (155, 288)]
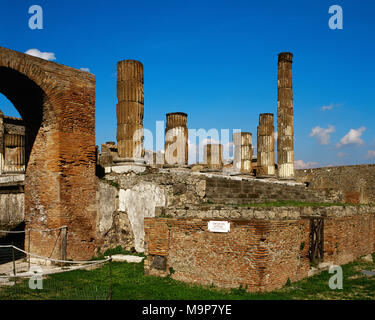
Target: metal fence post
[(63, 242), (14, 265), (110, 275), (28, 247)]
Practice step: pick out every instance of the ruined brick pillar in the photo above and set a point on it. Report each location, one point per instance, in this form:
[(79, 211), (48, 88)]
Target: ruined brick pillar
[(176, 139), (130, 95), (266, 145), (285, 149), (243, 152), (213, 156)]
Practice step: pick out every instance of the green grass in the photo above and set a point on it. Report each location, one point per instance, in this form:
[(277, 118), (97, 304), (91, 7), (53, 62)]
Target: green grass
[(130, 283)]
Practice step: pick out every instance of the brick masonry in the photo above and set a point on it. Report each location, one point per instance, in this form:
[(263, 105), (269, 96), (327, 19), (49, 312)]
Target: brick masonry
[(356, 183), (57, 104), (260, 254)]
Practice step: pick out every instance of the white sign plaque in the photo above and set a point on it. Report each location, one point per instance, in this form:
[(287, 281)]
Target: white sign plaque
[(218, 226)]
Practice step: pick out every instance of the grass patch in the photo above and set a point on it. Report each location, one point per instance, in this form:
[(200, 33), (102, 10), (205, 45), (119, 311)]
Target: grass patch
[(130, 283)]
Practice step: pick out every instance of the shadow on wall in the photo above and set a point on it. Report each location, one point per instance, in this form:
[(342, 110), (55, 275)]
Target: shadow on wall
[(16, 239)]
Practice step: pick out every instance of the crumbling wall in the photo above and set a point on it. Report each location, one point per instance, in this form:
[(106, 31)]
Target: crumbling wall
[(259, 254), (135, 196), (357, 183), (231, 191), (12, 211), (126, 198)]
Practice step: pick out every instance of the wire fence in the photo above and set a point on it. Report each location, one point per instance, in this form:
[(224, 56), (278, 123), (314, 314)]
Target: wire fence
[(28, 276)]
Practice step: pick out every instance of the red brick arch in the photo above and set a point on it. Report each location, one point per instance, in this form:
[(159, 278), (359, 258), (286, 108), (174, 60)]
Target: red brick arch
[(57, 104)]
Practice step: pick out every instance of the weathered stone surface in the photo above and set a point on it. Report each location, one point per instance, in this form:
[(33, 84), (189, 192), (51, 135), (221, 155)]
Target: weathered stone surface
[(140, 202), (126, 258), (12, 210), (285, 131), (107, 207), (12, 144), (176, 139), (213, 156), (130, 95), (356, 183), (265, 146), (367, 258), (124, 168), (243, 152), (159, 263)]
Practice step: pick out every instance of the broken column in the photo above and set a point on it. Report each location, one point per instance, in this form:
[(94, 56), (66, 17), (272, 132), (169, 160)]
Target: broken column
[(285, 149), (213, 156), (176, 139), (130, 97), (266, 145), (243, 152)]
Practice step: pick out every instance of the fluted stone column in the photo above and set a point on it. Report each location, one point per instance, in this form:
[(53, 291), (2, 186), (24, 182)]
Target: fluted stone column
[(243, 152), (14, 145), (176, 148), (285, 140), (266, 145), (130, 95), (213, 156)]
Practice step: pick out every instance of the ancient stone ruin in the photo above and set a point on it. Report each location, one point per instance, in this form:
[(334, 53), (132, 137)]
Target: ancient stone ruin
[(130, 95), (176, 149), (57, 106), (285, 139), (12, 144), (243, 152), (266, 146), (166, 208)]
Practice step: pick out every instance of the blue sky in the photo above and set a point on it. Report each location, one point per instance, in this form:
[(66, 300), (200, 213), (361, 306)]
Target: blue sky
[(217, 61)]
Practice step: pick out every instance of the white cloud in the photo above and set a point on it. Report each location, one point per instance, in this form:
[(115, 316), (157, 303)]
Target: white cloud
[(352, 137), (342, 154), (328, 107), (323, 135), (300, 164), (85, 69), (370, 154), (43, 55)]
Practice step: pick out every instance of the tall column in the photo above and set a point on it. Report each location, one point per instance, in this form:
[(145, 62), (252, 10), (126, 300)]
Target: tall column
[(266, 145), (130, 95), (176, 149), (213, 156), (285, 148), (243, 152)]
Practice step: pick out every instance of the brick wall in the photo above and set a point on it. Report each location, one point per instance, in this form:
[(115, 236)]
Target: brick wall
[(346, 238), (57, 104), (357, 182), (261, 254)]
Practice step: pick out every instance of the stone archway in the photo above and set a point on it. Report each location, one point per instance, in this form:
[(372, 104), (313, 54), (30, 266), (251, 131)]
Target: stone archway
[(57, 104)]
